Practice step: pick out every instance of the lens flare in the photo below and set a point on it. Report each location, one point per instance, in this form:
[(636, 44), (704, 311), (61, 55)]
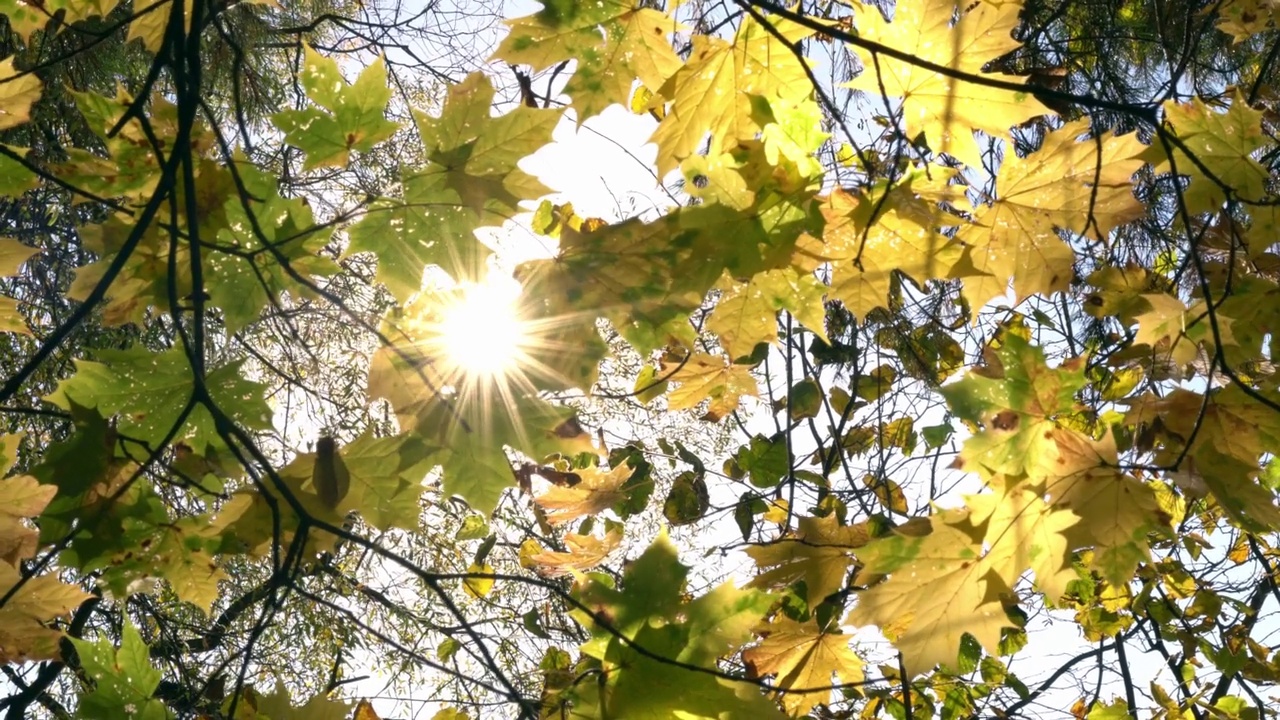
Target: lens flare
[(481, 331)]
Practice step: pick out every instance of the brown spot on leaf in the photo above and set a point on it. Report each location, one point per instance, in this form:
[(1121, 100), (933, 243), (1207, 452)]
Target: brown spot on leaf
[(1005, 420)]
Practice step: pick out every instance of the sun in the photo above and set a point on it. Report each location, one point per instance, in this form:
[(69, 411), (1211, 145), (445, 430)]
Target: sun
[(481, 332)]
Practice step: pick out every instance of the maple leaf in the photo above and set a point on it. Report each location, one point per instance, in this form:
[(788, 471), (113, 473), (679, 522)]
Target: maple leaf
[(131, 168), (946, 110), (471, 436), (1232, 433), (1117, 512), (151, 22), (355, 113), (1024, 533), (28, 16), (820, 554), (746, 314), (867, 239), (21, 497), (149, 391), (123, 680), (250, 277), (12, 255), (471, 181), (475, 462), (1163, 328), (476, 154), (15, 178), (802, 658), (711, 93), (384, 476), (702, 376), (321, 706), (582, 552), (650, 612), (17, 94), (1082, 186), (1122, 292), (1242, 19), (647, 277), (936, 591), (597, 491), (1016, 398), (1222, 145), (643, 277), (23, 632), (613, 42)]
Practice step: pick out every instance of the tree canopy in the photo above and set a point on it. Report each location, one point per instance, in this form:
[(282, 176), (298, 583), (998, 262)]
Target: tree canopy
[(919, 363)]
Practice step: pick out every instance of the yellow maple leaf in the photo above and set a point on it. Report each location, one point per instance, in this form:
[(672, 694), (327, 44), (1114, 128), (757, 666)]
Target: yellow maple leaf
[(867, 239), (1025, 533), (1163, 328), (597, 491), (13, 254), (802, 658), (1242, 19), (705, 376), (478, 587), (17, 94), (1117, 512), (613, 42), (945, 109), (936, 591), (711, 93), (23, 634), (151, 22), (1078, 185), (819, 553), (582, 552), (21, 497), (747, 313)]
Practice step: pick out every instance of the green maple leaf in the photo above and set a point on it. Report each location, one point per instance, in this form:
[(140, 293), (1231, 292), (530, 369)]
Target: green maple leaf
[(471, 181), (1222, 144), (28, 16), (355, 117), (278, 706), (251, 273), (478, 154), (473, 436), (613, 42), (1016, 397), (15, 178), (644, 277), (427, 225), (148, 392), (385, 481), (123, 680), (476, 465), (649, 611)]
